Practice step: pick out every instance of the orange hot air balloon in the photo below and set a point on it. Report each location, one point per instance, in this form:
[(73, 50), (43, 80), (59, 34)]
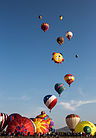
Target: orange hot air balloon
[(45, 27), (40, 17), (69, 78), (42, 126), (72, 120)]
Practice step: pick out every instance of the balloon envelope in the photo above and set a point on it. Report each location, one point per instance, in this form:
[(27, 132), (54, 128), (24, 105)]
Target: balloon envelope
[(13, 116), (3, 121), (72, 120), (44, 116), (50, 101), (69, 78), (59, 87), (22, 125), (57, 57), (41, 126), (69, 35), (45, 27), (60, 40), (83, 125)]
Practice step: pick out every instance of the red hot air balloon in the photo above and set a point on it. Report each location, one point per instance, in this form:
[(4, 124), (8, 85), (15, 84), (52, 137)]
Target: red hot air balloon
[(13, 116), (23, 126), (45, 27)]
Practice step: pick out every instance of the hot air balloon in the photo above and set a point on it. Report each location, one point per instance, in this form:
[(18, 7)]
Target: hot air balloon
[(41, 126), (69, 35), (22, 125), (13, 116), (87, 127), (59, 87), (61, 17), (72, 120), (3, 121), (57, 57), (50, 101), (69, 78), (76, 56), (40, 17), (60, 40), (44, 116), (45, 27)]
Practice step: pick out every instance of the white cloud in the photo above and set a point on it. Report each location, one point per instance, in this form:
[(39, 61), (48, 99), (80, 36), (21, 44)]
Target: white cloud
[(73, 105), (23, 98)]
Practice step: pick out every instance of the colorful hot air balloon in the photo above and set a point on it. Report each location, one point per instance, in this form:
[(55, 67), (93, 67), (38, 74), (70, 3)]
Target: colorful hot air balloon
[(69, 35), (3, 121), (57, 57), (22, 125), (60, 40), (41, 126), (61, 17), (44, 116), (45, 27), (69, 78), (13, 116), (72, 120), (59, 87), (86, 126), (50, 101)]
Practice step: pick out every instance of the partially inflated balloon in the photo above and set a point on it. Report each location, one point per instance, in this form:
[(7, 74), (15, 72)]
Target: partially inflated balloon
[(50, 101), (69, 35), (86, 126), (59, 87), (72, 120), (45, 27), (69, 78), (22, 125), (3, 121), (44, 116), (60, 40), (41, 126), (13, 116)]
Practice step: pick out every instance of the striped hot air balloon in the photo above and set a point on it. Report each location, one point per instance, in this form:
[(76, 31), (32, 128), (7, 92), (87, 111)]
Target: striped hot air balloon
[(72, 120), (45, 27), (69, 78), (50, 101), (3, 121), (59, 87)]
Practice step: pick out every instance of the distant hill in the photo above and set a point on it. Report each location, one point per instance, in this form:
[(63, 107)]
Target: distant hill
[(63, 129)]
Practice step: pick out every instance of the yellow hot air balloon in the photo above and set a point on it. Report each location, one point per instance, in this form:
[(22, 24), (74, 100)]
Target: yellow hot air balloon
[(61, 17), (72, 120), (87, 127)]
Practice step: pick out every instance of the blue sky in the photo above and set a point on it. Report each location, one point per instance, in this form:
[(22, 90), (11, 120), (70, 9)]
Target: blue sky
[(27, 72)]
